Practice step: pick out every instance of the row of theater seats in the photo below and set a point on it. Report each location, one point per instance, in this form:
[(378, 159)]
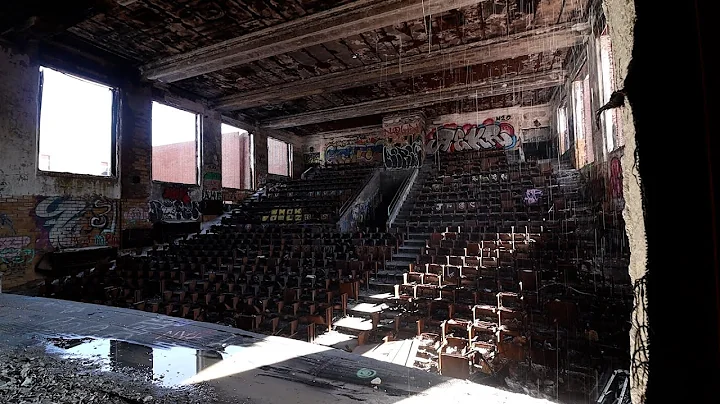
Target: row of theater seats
[(480, 188), (509, 275), (314, 199), (280, 280)]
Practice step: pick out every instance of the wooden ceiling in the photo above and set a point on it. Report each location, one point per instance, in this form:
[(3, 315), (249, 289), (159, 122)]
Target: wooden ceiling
[(314, 65)]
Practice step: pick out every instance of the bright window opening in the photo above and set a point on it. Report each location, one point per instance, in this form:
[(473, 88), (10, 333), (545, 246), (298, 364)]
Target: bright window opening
[(236, 158), (174, 144), (579, 122), (279, 157), (563, 136), (613, 137), (77, 125)]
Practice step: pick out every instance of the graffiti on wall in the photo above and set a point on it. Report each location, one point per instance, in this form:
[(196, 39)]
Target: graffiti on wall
[(311, 158), (77, 222), (134, 216), (616, 183), (16, 251), (176, 194), (212, 184), (173, 210), (403, 132), (492, 134), (359, 151), (407, 156), (175, 205), (533, 196)]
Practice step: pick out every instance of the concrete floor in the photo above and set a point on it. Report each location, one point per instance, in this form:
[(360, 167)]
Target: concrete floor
[(239, 366)]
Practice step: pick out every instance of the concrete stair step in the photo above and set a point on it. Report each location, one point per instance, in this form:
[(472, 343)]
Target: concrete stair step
[(396, 264), (408, 249), (405, 257)]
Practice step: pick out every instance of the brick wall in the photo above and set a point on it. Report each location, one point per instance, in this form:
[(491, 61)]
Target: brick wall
[(33, 225), (176, 162), (235, 161), (17, 240)]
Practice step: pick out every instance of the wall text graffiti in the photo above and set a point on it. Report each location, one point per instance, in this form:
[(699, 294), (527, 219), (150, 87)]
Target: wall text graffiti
[(407, 156), (75, 222), (170, 210), (491, 134)]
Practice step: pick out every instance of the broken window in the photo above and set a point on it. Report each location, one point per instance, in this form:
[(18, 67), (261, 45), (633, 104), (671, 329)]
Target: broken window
[(610, 117), (77, 125), (279, 157), (237, 159), (174, 144)]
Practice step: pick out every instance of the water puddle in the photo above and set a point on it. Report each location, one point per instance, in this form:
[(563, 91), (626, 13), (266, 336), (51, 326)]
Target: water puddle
[(168, 367)]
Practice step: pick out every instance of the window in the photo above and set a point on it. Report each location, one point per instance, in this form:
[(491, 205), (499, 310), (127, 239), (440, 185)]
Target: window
[(610, 118), (579, 121), (77, 125), (174, 144), (237, 164), (563, 136), (279, 157)]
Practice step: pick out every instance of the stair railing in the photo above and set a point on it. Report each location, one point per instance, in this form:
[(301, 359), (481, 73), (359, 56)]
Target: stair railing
[(400, 196)]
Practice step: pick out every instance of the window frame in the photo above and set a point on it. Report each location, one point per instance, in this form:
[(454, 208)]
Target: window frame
[(198, 142), (115, 122)]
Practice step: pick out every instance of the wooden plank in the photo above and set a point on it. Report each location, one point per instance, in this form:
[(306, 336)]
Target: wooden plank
[(480, 52), (526, 82), (331, 25)]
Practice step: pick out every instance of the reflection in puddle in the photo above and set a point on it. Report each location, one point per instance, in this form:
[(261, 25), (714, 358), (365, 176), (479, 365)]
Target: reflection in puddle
[(168, 367)]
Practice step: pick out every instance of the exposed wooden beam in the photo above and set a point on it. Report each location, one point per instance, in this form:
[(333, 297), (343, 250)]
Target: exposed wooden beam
[(525, 82), (507, 47), (330, 25)]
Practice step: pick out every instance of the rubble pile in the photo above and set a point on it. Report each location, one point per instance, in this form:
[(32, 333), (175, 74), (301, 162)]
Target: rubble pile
[(31, 376)]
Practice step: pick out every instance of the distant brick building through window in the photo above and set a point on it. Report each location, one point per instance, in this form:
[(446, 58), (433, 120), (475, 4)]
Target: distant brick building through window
[(236, 158), (175, 163), (174, 140), (279, 154)]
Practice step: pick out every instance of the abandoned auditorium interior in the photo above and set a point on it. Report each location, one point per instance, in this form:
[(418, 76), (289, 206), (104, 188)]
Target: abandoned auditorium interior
[(389, 201)]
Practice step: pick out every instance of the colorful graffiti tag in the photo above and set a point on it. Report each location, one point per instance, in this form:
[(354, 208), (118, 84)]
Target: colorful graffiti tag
[(491, 134), (76, 222), (403, 132), (533, 196), (15, 250), (359, 152)]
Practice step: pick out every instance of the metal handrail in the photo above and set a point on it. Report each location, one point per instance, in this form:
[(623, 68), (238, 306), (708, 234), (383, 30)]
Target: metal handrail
[(354, 196), (399, 198)]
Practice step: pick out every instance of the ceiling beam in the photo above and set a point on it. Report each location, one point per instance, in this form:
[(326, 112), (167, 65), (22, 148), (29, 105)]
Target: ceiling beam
[(491, 50), (526, 82), (330, 25)]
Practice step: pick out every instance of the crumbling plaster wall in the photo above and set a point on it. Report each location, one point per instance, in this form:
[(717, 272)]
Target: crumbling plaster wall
[(621, 15)]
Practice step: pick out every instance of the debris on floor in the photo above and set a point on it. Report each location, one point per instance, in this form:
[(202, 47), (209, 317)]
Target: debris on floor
[(31, 376)]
